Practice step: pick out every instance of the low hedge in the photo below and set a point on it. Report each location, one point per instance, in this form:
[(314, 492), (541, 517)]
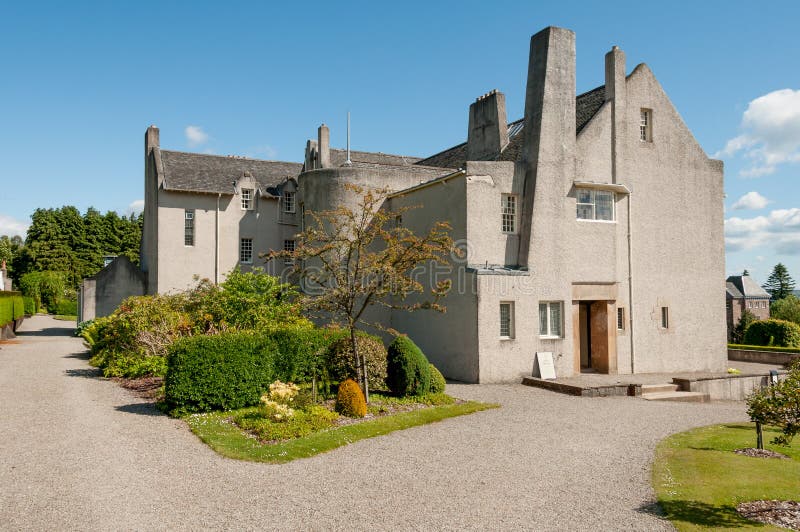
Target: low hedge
[(66, 307), (766, 348), (29, 304), (233, 369), (12, 307), (773, 333)]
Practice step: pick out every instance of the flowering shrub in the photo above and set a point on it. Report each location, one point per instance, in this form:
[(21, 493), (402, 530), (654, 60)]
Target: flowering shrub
[(276, 411), (283, 393)]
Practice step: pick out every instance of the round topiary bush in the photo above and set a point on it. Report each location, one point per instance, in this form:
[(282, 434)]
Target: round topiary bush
[(407, 371), (350, 400), (438, 383), (773, 332), (341, 364)]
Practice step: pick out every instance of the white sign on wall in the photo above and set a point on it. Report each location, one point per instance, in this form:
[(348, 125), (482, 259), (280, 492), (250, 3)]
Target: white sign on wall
[(544, 365)]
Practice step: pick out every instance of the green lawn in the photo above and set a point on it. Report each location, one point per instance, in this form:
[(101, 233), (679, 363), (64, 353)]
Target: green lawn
[(698, 480), (62, 317), (228, 440)]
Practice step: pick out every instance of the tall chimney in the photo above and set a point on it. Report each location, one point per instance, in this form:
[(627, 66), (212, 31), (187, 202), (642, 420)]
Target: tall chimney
[(549, 143), (311, 155), (488, 127), (150, 140), (616, 93), (324, 146)]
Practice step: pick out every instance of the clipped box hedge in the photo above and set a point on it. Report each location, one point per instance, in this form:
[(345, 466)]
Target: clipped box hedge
[(12, 307), (773, 333), (765, 348)]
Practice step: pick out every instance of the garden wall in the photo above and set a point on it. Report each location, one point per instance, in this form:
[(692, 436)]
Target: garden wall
[(763, 357), (728, 388)]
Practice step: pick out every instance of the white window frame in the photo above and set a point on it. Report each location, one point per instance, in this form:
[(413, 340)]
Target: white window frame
[(188, 225), (593, 204), (509, 330), (289, 245), (245, 250), (665, 317), (546, 311), (509, 207), (620, 318), (289, 201), (248, 198), (646, 125)]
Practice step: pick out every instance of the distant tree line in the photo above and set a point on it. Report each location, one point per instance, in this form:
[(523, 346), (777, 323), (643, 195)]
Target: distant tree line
[(64, 240)]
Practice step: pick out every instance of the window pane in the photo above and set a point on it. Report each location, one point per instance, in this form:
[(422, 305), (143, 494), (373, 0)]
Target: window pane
[(584, 195), (621, 319), (505, 319), (542, 319), (585, 212), (604, 205), (555, 319)]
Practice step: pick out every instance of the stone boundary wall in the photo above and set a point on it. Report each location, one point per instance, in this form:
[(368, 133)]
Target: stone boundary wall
[(729, 388), (763, 357)]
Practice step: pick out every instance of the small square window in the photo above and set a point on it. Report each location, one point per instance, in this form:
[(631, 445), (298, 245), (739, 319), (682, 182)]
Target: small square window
[(288, 245), (665, 317), (247, 199), (246, 251), (594, 204), (188, 227), (288, 201), (550, 319), (507, 320), (508, 207), (646, 125), (620, 318)]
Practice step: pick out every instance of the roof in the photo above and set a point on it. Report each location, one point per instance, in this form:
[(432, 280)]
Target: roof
[(586, 106), (744, 286), (338, 158), (198, 172)]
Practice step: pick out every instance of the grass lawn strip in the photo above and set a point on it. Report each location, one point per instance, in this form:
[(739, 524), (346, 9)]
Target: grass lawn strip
[(227, 439), (699, 480)]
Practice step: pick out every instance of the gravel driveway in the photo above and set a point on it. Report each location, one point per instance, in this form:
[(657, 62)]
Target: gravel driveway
[(79, 452)]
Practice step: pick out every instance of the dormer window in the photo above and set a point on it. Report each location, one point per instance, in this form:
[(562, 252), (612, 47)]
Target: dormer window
[(646, 125), (288, 201), (247, 199)]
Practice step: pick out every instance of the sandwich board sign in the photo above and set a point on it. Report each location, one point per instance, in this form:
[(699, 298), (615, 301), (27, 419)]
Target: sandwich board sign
[(544, 365)]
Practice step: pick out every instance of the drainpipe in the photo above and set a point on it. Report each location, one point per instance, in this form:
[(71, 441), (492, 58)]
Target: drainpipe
[(216, 242), (630, 284)]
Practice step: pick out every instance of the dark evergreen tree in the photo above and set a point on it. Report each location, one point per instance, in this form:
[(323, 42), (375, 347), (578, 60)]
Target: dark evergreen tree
[(779, 283)]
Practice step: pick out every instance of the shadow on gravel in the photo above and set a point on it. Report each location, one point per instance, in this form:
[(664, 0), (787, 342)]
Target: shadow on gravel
[(700, 514), (86, 373), (51, 331), (142, 409), (81, 355)]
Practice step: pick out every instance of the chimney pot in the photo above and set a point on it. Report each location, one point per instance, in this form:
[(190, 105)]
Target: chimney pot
[(487, 135)]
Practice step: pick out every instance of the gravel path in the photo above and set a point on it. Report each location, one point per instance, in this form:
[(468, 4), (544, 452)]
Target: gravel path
[(79, 452)]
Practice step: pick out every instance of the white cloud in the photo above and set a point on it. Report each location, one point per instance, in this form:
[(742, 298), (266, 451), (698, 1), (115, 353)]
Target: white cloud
[(771, 133), (780, 229), (195, 136), (12, 227), (264, 151), (135, 207), (751, 200)]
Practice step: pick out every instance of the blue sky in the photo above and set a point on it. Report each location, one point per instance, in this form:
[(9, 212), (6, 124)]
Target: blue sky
[(81, 82)]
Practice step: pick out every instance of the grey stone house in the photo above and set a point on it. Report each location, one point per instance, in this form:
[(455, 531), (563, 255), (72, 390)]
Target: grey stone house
[(592, 226)]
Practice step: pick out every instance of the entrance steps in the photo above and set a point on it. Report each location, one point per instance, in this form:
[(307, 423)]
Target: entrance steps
[(671, 392)]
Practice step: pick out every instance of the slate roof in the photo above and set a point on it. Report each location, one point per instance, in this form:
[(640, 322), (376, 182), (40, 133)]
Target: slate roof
[(745, 286), (338, 157), (586, 106), (197, 172)]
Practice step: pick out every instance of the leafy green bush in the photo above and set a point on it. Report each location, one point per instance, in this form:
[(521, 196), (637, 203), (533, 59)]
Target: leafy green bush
[(302, 350), (350, 399), (302, 423), (438, 384), (47, 287), (773, 333), (30, 305), (779, 405), (12, 307), (66, 307), (134, 367), (408, 371), (341, 364), (787, 309)]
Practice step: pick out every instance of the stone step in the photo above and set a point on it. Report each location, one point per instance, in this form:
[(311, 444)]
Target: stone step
[(686, 397), (655, 388)]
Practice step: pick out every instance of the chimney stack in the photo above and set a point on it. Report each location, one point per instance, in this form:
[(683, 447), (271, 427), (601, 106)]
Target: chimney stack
[(311, 155), (324, 146), (616, 93), (150, 140), (488, 127)]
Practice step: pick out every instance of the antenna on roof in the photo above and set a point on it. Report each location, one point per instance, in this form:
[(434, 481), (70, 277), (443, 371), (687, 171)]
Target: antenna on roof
[(348, 162)]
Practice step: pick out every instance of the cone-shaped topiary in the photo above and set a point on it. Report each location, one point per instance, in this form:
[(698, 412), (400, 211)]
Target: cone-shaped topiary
[(350, 400), (408, 371), (437, 380)]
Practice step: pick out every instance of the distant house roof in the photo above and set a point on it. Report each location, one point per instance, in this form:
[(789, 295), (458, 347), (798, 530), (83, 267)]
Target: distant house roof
[(744, 286), (197, 172), (586, 106)]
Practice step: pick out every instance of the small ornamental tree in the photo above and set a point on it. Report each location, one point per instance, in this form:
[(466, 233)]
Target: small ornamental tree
[(779, 283), (778, 405), (741, 327), (348, 260)]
